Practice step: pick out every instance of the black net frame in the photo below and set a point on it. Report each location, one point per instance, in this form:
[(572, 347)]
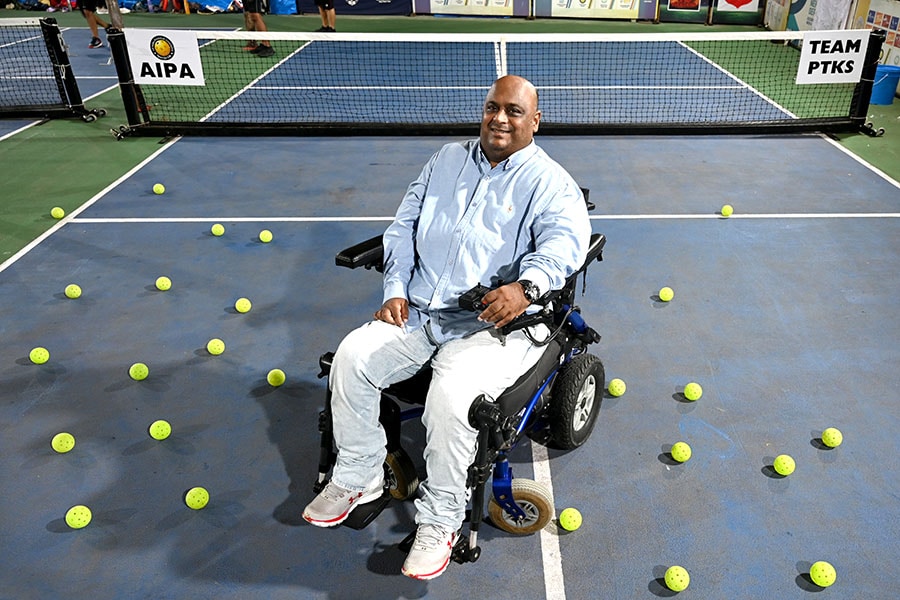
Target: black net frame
[(163, 111), (38, 82)]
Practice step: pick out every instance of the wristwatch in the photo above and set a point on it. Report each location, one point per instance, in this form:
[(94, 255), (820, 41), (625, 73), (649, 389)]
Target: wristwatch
[(532, 293)]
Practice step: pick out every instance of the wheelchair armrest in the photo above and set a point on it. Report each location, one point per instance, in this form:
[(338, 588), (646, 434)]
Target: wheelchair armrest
[(595, 249), (368, 254), (587, 194)]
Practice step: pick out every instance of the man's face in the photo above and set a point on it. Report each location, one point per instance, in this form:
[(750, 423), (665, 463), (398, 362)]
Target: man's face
[(509, 119)]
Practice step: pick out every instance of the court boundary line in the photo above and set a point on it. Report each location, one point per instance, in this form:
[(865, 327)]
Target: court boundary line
[(551, 555), (860, 160), (345, 219)]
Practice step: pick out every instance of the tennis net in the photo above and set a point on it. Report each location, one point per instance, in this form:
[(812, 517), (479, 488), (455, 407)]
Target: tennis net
[(357, 84), (36, 78)]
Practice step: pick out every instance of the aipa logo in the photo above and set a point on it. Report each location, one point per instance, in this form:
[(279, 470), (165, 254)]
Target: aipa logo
[(163, 49)]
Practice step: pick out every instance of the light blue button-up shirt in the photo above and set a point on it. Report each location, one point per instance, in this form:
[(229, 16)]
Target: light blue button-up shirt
[(462, 223)]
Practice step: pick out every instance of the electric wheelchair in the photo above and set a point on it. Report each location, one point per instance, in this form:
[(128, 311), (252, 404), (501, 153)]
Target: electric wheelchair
[(556, 401)]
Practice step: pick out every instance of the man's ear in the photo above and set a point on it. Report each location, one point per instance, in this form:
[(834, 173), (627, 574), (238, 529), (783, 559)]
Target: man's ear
[(537, 120)]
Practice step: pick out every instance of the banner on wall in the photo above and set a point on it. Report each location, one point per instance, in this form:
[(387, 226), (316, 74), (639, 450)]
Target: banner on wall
[(885, 14), (684, 11), (473, 8), (776, 15), (818, 15), (596, 9), (738, 12), (360, 7)]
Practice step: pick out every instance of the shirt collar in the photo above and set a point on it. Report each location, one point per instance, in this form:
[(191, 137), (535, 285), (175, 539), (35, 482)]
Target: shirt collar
[(516, 159)]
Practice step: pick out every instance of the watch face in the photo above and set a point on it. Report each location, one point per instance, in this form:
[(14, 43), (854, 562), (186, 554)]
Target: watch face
[(531, 292)]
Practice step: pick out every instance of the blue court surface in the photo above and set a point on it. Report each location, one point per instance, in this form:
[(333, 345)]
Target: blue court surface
[(579, 82), (785, 313)]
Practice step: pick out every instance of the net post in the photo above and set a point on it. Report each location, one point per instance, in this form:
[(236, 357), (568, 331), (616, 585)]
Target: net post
[(115, 15), (62, 69), (131, 94), (859, 105)]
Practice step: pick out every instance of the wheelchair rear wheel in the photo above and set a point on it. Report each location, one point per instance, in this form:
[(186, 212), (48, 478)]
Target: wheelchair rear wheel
[(534, 499), (402, 479), (577, 394)]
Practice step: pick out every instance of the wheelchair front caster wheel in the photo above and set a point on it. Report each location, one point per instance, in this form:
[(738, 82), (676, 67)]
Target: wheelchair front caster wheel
[(534, 499), (577, 394), (400, 472)]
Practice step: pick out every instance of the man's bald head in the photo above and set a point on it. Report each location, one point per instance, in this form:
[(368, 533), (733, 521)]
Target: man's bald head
[(510, 117)]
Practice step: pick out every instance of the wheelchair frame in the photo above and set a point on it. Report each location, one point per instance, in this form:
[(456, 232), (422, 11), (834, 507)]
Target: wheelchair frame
[(526, 407)]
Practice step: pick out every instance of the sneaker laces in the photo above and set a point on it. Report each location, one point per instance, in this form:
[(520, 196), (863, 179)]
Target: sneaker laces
[(429, 537), (334, 492)]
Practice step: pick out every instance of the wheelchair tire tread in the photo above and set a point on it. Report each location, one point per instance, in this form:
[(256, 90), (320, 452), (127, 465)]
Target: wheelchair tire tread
[(584, 374)]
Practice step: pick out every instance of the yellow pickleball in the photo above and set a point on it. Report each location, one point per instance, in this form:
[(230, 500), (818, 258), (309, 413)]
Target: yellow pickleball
[(217, 229), (73, 290), (57, 212), (681, 451), (677, 578), (62, 442), (160, 429), (727, 210), (215, 346), (616, 388), (570, 519), (39, 355), (265, 236), (822, 573), (693, 391), (784, 465), (666, 294), (78, 516), (159, 188), (196, 498), (832, 437), (163, 284), (275, 377), (138, 371), (242, 305)]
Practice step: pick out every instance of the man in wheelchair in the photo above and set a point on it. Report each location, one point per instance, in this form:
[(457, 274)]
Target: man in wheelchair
[(495, 211)]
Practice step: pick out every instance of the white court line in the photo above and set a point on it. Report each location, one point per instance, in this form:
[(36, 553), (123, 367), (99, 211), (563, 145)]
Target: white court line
[(773, 216), (554, 584), (231, 219)]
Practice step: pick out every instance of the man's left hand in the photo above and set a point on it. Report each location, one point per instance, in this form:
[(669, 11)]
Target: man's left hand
[(504, 304)]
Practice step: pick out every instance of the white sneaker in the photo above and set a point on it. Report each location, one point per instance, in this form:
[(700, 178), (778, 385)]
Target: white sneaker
[(430, 554), (333, 504)]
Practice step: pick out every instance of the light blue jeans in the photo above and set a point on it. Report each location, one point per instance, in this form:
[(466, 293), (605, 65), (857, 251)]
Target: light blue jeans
[(378, 354)]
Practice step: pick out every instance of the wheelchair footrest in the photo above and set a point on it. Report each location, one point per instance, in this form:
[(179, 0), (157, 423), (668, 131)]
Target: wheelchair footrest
[(364, 514)]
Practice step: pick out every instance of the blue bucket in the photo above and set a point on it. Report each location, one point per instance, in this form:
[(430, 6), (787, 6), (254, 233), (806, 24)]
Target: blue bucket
[(885, 85)]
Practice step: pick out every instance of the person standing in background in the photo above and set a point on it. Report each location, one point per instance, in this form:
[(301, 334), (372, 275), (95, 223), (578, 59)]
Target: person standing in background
[(326, 11)]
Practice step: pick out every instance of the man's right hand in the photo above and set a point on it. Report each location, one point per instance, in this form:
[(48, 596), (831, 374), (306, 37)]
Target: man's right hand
[(394, 311)]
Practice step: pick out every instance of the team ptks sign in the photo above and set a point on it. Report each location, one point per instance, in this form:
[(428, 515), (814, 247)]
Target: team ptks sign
[(164, 57), (832, 56)]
